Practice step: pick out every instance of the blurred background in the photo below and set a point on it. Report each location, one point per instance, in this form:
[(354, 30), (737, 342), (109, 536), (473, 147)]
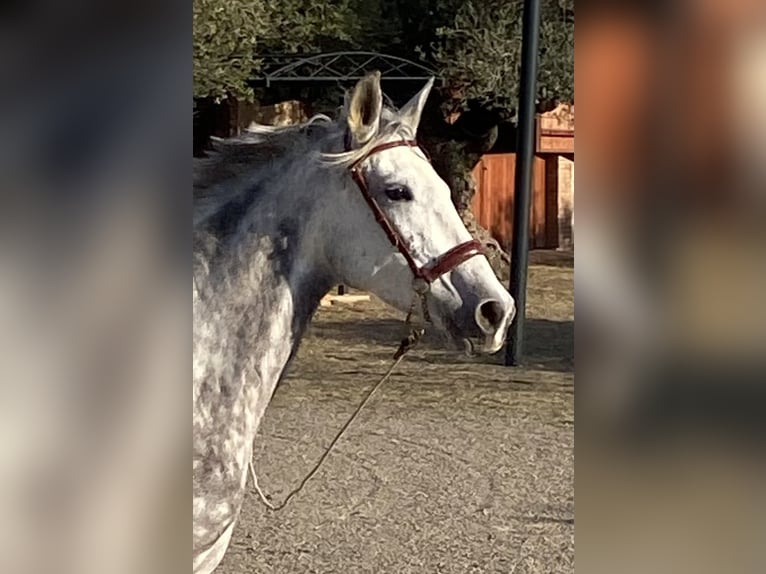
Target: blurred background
[(95, 329), (671, 274)]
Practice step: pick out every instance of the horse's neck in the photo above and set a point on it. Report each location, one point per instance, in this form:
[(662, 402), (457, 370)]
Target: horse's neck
[(254, 296)]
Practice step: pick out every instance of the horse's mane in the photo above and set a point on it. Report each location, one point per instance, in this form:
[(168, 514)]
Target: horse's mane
[(236, 165)]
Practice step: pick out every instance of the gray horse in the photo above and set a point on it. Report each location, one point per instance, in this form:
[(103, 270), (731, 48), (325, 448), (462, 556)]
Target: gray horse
[(279, 220)]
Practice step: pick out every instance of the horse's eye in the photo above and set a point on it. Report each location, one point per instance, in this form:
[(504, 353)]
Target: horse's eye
[(398, 193)]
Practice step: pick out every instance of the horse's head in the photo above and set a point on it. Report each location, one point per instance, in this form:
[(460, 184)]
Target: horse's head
[(397, 185)]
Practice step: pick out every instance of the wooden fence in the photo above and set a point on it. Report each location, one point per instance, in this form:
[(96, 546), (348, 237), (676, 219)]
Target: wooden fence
[(493, 202), (552, 217)]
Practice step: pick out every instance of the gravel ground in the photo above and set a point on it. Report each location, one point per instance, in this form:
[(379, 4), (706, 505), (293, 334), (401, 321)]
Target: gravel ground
[(457, 465)]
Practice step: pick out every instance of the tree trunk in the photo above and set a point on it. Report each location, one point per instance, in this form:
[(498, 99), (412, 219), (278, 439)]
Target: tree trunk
[(455, 150)]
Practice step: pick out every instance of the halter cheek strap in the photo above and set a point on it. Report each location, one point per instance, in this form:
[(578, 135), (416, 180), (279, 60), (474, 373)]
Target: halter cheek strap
[(442, 264)]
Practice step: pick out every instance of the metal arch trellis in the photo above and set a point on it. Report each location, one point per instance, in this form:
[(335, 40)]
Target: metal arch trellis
[(339, 67)]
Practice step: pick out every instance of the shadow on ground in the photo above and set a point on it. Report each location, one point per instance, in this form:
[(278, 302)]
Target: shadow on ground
[(549, 345), (552, 258)]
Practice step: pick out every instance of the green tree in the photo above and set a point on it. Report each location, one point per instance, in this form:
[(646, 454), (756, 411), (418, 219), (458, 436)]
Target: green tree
[(478, 54), (225, 37), (475, 45), (230, 35)]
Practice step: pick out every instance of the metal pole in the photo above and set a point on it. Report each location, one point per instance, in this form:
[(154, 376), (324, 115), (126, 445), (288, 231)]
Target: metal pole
[(525, 150)]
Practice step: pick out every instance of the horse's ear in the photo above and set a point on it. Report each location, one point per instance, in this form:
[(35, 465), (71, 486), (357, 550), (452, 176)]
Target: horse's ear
[(363, 110), (410, 113)]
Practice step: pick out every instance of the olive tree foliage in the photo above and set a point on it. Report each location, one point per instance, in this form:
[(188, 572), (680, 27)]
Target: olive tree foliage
[(309, 26), (475, 45), (479, 53), (225, 36), (230, 35)]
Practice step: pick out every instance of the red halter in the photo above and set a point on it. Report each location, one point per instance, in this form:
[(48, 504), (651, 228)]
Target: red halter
[(445, 262)]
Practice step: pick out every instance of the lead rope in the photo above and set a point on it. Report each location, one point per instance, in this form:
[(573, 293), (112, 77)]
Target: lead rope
[(404, 346)]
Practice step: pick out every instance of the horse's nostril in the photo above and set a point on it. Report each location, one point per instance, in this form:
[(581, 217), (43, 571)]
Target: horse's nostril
[(491, 314)]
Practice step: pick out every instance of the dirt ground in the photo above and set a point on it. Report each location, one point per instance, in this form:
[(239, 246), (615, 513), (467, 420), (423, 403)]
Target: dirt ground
[(457, 465)]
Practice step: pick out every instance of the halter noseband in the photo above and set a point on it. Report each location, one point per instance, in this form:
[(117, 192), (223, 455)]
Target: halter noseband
[(445, 262)]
